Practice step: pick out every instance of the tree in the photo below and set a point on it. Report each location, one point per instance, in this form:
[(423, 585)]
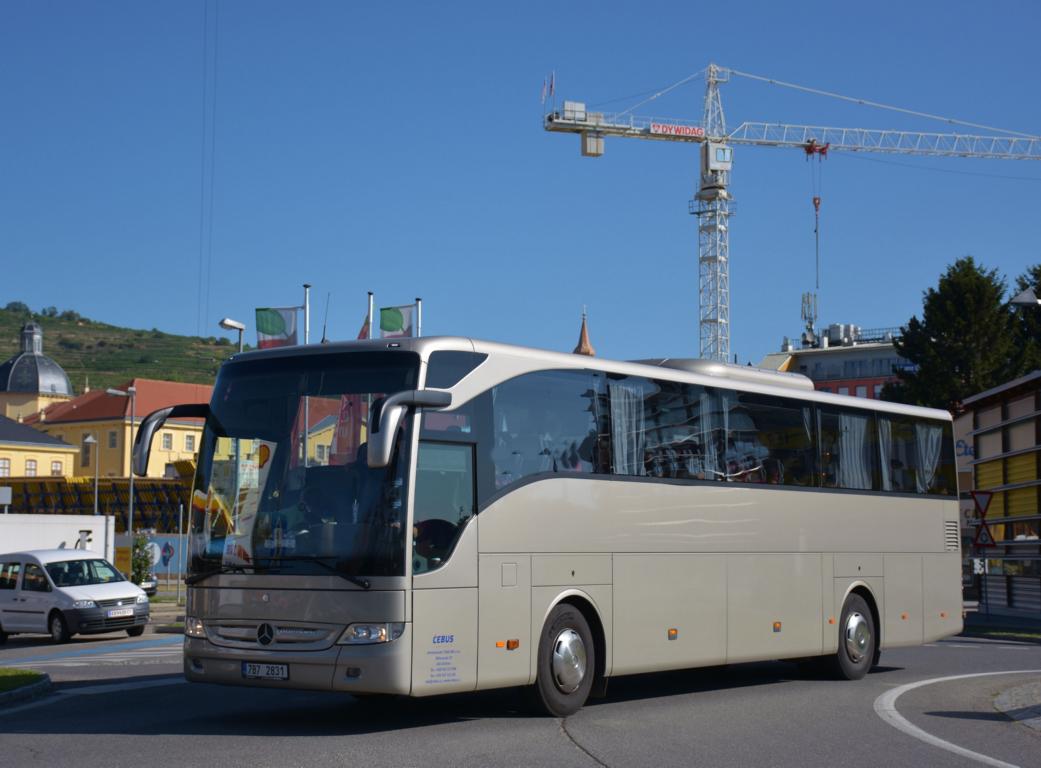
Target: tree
[(1027, 322), (141, 561), (964, 342), (18, 306)]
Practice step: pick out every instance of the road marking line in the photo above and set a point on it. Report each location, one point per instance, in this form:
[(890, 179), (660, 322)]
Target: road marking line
[(885, 708), (91, 690)]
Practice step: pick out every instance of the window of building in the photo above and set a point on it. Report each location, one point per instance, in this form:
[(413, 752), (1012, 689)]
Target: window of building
[(843, 390), (189, 443), (30, 467), (878, 391), (112, 439), (56, 469), (862, 390), (5, 467), (321, 454), (167, 441)]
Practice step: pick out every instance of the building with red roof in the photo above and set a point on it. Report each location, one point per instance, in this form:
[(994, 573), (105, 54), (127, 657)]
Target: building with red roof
[(108, 418)]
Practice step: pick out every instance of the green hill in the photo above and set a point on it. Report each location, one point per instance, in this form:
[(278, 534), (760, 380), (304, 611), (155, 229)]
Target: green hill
[(109, 355)]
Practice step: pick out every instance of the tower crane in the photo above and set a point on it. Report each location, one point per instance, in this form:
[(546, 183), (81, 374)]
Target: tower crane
[(713, 203)]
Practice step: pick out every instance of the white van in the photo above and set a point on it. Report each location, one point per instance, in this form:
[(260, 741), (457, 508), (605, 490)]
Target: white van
[(65, 592)]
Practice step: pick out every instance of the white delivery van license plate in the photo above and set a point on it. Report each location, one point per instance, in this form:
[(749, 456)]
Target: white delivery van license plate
[(115, 613), (255, 671)]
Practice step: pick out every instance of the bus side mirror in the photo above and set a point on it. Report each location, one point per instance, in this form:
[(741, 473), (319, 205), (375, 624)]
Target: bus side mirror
[(152, 422), (386, 417)]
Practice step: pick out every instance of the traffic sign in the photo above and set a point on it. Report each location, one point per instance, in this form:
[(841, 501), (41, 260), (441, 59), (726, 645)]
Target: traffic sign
[(984, 538), (982, 501)]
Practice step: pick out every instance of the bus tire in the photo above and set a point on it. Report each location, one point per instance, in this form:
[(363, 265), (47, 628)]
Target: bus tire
[(858, 640), (566, 663), (58, 628)]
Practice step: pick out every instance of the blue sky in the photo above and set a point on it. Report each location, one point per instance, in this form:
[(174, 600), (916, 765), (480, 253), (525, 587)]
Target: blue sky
[(398, 148)]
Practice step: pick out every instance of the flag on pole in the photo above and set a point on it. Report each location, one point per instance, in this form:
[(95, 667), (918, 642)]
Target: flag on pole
[(351, 426), (543, 90), (552, 83), (276, 327), (397, 321)]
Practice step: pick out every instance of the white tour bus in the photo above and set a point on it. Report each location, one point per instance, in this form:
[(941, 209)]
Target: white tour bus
[(434, 515)]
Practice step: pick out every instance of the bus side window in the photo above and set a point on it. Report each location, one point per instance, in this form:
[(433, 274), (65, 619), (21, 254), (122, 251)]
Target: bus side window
[(444, 501), (848, 449)]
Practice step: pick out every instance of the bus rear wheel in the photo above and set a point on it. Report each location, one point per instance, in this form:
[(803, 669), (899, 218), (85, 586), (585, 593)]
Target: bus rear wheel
[(858, 640), (566, 663)]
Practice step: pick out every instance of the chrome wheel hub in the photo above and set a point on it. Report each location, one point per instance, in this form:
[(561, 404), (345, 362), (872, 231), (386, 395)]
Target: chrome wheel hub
[(568, 661), (858, 637)]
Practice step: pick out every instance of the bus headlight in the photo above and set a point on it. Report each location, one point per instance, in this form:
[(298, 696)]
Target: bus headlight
[(367, 634), (193, 627)]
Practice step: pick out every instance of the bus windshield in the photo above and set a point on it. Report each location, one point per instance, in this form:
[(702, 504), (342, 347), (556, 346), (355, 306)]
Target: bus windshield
[(283, 484)]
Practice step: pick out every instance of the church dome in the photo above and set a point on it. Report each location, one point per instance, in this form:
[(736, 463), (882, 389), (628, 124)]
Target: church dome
[(31, 370)]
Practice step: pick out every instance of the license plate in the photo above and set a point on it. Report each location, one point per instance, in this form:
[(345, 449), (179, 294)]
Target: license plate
[(117, 612), (256, 671)]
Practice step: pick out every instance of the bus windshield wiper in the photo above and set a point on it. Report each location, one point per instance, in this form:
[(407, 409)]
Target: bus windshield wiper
[(358, 581), (195, 578)]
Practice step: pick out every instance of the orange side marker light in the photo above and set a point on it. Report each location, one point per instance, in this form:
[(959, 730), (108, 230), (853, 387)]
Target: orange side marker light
[(777, 626), (500, 643), (512, 645), (943, 614), (831, 619), (673, 633), (903, 617)]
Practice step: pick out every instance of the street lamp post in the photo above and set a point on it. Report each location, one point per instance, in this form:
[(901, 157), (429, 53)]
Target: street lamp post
[(93, 440), (233, 325), (130, 392)]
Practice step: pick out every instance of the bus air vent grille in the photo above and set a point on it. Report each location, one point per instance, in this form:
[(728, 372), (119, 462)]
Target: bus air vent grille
[(951, 536)]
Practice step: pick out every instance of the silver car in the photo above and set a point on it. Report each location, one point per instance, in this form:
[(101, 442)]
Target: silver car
[(63, 592)]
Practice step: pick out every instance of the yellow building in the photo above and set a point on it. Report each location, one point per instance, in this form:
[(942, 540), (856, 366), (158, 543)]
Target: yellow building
[(30, 381), (25, 452), (107, 418), (1006, 461)]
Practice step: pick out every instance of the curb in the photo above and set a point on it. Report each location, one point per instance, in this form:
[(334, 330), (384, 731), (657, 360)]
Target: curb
[(1022, 704), (27, 692)]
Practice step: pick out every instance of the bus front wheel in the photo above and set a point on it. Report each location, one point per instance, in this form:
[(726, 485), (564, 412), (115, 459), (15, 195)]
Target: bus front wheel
[(566, 662), (858, 640)]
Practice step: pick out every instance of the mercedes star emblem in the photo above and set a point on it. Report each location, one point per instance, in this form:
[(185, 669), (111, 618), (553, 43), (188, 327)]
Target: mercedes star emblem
[(265, 634)]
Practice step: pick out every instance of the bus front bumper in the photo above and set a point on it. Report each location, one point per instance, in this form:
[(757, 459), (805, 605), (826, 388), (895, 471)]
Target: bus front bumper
[(376, 668)]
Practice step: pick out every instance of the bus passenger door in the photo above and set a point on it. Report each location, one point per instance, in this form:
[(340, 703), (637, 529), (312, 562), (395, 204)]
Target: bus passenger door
[(444, 570)]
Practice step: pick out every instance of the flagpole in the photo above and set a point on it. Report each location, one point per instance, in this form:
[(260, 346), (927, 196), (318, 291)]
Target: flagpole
[(419, 316), (307, 335), (370, 315)]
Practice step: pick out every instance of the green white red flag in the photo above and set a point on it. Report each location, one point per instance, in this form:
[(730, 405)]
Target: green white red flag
[(276, 327)]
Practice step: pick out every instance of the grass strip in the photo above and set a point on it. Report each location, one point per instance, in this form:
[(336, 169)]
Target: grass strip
[(1030, 636), (17, 678)]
